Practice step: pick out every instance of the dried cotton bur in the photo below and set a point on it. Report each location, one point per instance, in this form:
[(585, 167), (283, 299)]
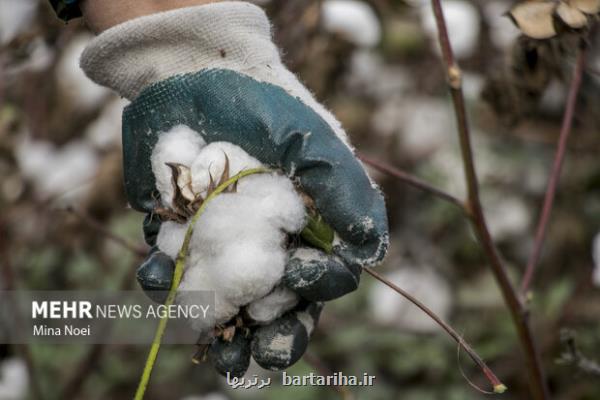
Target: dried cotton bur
[(541, 19), (239, 246)]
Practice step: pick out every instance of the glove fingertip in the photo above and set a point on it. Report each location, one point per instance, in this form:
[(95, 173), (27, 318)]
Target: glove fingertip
[(317, 276), (282, 343), (155, 276), (231, 358)]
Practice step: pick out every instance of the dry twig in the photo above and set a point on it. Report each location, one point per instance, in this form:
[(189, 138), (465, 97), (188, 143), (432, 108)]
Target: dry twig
[(498, 386), (565, 131), (537, 380)]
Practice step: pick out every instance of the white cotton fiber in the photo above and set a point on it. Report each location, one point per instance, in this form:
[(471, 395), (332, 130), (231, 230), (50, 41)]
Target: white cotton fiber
[(62, 172), (273, 305), (596, 258), (170, 238), (463, 21), (180, 145), (14, 379), (84, 94), (238, 246), (354, 19)]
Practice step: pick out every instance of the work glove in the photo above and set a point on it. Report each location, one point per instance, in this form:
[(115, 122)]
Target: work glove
[(215, 69)]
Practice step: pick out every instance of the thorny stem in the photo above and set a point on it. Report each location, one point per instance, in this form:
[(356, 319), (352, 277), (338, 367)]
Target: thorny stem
[(411, 180), (537, 381), (565, 131), (178, 274), (498, 386)]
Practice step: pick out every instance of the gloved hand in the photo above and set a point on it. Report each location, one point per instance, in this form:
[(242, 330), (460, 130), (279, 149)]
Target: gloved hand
[(215, 69)]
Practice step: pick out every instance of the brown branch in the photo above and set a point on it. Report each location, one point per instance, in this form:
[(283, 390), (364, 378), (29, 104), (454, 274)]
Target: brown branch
[(537, 380), (496, 384), (565, 131), (411, 180), (140, 251)]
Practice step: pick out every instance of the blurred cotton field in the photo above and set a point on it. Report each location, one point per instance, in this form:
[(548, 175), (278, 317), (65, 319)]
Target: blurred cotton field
[(376, 65)]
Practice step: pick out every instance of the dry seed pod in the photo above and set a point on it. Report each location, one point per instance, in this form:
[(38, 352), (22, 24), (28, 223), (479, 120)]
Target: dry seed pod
[(182, 180), (587, 6), (571, 16), (535, 19)]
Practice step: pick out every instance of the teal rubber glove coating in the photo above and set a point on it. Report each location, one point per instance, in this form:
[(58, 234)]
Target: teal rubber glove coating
[(272, 126), (282, 132)]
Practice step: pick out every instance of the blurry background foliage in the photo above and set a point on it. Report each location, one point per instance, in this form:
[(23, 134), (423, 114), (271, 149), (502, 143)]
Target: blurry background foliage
[(376, 65)]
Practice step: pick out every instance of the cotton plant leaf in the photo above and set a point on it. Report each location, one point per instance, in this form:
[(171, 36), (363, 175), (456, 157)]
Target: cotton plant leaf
[(318, 233), (571, 16), (590, 7), (534, 18)]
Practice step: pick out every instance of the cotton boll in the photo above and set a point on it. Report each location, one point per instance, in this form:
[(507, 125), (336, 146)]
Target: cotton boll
[(596, 257), (462, 19), (424, 283), (503, 31), (211, 162), (63, 171), (14, 382), (277, 200), (354, 19), (375, 78), (237, 248), (72, 81), (248, 270), (507, 216), (180, 145), (105, 131), (273, 305), (15, 17), (170, 238), (425, 129), (200, 279)]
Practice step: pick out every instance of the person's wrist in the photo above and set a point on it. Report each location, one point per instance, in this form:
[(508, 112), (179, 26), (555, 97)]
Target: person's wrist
[(101, 15)]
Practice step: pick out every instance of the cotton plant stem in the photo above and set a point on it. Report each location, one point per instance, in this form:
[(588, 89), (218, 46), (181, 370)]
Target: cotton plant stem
[(565, 132), (497, 386), (178, 274), (537, 381), (411, 180), (139, 251)]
